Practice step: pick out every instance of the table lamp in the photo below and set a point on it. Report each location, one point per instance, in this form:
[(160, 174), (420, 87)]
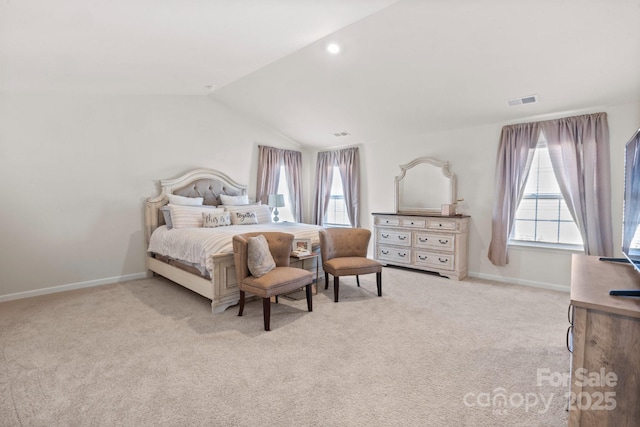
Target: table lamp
[(276, 201)]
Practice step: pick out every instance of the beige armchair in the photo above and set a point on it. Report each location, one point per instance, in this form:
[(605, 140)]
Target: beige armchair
[(280, 280), (344, 253)]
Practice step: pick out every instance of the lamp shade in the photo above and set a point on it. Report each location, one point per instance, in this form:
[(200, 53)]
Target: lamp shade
[(276, 200)]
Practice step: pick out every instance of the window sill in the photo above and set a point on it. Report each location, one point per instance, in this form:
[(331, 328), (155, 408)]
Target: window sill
[(546, 247)]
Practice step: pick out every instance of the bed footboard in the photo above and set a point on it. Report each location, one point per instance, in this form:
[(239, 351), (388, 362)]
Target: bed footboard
[(222, 289)]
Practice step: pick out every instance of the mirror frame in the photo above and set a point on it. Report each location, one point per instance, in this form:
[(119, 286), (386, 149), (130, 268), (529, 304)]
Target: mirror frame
[(443, 166)]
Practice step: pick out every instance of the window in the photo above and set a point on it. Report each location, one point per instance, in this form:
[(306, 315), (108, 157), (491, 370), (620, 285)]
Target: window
[(284, 213), (337, 210), (542, 215)]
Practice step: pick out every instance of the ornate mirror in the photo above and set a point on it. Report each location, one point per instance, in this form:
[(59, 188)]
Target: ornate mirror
[(423, 186)]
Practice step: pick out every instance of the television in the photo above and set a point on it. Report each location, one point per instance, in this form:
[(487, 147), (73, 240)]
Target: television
[(631, 211), (631, 207)]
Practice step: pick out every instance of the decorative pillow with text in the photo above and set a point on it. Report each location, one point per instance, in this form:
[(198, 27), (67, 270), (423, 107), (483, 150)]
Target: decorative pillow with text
[(215, 219), (261, 212), (190, 216), (243, 217)]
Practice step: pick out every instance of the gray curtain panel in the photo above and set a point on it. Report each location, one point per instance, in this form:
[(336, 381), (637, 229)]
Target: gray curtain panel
[(349, 167), (292, 161), (631, 192), (579, 151), (517, 145), (324, 175), (269, 161), (348, 162)]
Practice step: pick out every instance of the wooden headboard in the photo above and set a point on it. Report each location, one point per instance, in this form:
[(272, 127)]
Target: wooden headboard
[(206, 183)]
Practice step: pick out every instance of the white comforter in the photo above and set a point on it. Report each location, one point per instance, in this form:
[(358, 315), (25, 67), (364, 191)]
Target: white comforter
[(194, 245)]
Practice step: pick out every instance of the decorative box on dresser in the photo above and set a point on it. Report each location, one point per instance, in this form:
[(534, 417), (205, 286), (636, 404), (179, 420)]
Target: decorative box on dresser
[(424, 242)]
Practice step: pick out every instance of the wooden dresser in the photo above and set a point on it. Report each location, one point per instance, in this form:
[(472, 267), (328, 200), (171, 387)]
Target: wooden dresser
[(424, 242), (605, 330)]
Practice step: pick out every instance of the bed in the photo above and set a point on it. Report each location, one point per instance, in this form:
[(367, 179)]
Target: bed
[(201, 258)]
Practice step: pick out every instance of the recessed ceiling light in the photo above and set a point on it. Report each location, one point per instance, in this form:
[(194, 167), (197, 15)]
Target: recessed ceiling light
[(333, 48)]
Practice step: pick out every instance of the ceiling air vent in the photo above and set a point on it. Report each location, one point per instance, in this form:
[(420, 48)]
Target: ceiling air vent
[(531, 99), (343, 133)]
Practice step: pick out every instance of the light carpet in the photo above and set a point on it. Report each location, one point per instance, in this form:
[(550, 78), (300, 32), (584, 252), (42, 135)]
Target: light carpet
[(430, 352)]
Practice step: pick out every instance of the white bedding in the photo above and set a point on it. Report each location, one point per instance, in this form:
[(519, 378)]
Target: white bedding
[(194, 245)]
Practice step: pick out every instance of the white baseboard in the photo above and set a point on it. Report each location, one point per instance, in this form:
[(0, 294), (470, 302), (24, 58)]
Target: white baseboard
[(72, 286), (511, 280)]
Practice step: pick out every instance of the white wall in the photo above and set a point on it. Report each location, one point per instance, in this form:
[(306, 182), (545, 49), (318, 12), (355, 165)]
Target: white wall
[(472, 153), (75, 170)]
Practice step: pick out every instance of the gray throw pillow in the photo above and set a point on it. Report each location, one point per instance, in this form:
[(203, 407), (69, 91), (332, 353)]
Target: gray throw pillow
[(259, 258)]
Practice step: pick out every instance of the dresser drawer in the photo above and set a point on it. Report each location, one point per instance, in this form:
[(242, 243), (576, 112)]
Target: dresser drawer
[(413, 223), (430, 259), (387, 221), (393, 237), (441, 242), (389, 253), (441, 224)]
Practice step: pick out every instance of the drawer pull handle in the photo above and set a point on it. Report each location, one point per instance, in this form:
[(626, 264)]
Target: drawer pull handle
[(385, 236), (443, 260), (439, 225), (402, 237), (570, 339), (444, 242), (384, 252), (411, 222), (422, 258), (401, 255), (423, 240)]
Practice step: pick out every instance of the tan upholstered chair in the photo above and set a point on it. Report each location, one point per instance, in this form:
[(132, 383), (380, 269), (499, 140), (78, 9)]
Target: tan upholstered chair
[(281, 280), (344, 253)]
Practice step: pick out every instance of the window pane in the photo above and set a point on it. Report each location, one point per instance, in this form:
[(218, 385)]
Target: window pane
[(548, 210), (569, 233), (527, 209), (542, 215), (524, 230), (337, 209), (547, 183), (547, 232), (565, 215), (284, 213)]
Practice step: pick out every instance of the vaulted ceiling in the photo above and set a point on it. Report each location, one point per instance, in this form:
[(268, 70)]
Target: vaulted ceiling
[(416, 66)]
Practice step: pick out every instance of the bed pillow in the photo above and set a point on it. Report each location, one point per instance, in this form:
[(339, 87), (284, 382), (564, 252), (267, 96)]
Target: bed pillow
[(243, 217), (215, 219), (174, 199), (166, 214), (259, 258), (190, 216), (234, 200), (262, 212)]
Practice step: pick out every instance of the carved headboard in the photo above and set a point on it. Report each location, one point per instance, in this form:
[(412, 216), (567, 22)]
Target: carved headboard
[(206, 183)]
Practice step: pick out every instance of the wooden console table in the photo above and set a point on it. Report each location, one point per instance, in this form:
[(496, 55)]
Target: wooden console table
[(605, 374)]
